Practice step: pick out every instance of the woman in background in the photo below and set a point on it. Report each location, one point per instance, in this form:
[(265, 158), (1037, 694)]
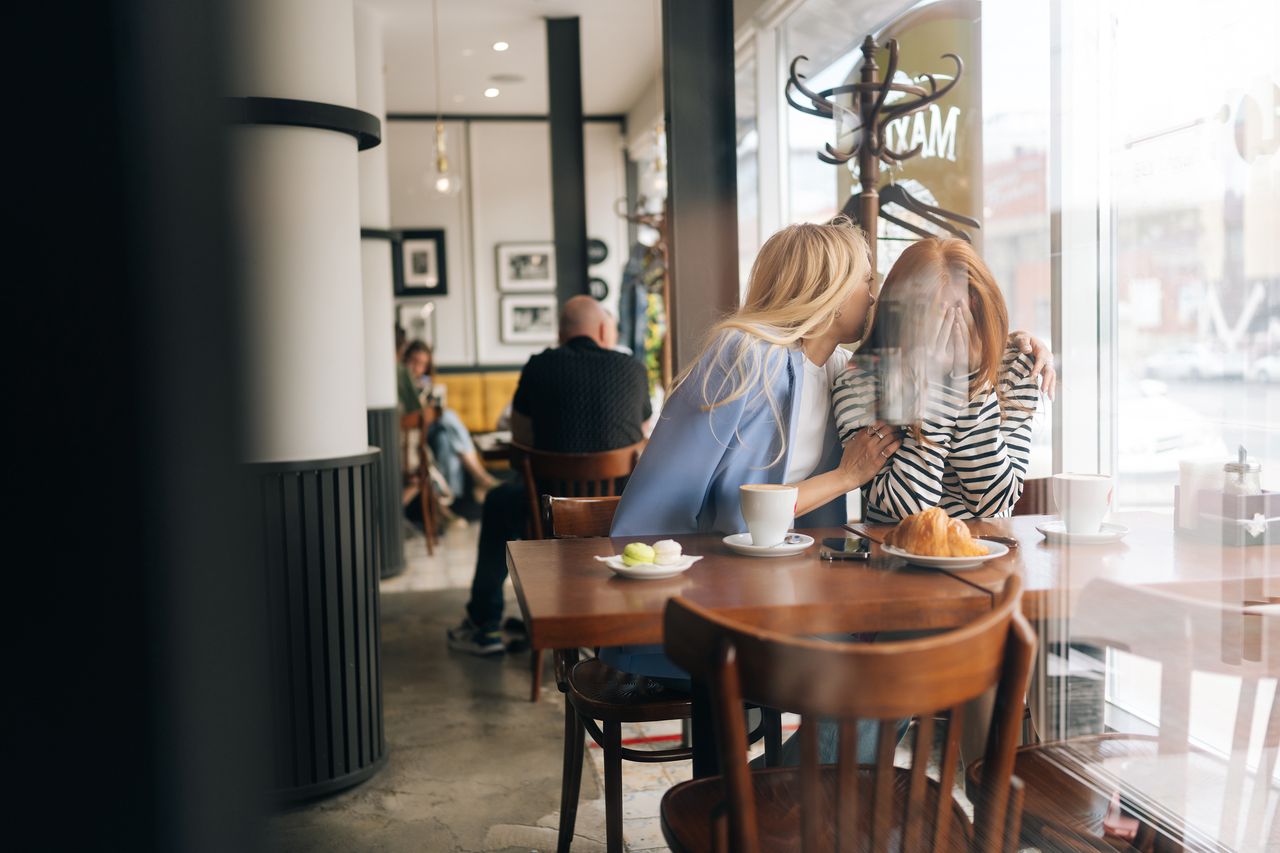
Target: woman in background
[(450, 441)]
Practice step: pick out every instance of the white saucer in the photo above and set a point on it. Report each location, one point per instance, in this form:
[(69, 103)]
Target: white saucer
[(648, 571), (1056, 534), (741, 543), (994, 549)]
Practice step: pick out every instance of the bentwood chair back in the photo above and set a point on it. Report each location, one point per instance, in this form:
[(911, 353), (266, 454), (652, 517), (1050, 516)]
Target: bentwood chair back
[(846, 806), (572, 475), (577, 518), (413, 433), (1069, 782), (1036, 498)]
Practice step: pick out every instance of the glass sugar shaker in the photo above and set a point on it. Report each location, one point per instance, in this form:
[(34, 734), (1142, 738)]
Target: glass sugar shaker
[(1242, 477)]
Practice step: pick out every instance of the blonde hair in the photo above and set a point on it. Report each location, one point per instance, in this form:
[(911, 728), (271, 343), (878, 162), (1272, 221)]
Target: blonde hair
[(802, 275), (915, 282)]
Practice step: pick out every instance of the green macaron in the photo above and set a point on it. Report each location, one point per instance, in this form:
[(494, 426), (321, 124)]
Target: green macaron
[(637, 553)]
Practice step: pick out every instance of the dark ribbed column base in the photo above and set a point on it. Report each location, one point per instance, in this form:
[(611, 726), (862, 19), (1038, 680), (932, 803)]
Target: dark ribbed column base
[(384, 433), (320, 555)]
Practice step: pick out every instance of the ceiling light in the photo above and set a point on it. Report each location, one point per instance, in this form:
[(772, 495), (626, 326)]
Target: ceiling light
[(500, 46), (491, 92)]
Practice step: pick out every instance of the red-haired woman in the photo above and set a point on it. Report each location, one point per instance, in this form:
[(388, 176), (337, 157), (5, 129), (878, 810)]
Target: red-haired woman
[(966, 395)]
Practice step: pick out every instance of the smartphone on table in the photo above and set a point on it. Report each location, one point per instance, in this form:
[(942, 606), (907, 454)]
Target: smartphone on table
[(846, 548)]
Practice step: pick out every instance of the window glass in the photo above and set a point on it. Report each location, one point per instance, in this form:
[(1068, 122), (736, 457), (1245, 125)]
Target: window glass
[(1196, 183), (748, 148)]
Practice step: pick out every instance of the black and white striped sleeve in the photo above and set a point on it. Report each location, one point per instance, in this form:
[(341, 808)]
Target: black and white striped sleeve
[(912, 478), (989, 454), (853, 401)]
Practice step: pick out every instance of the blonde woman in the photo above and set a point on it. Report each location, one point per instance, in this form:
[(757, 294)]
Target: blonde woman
[(755, 407)]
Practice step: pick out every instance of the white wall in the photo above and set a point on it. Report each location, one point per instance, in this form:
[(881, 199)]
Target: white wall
[(414, 204), (606, 184), (506, 198), (510, 203)]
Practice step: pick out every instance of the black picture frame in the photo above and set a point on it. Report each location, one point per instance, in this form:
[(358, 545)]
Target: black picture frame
[(419, 262)]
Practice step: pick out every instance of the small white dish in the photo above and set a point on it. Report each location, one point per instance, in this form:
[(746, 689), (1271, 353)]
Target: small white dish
[(649, 571), (1055, 532), (792, 545), (994, 549)]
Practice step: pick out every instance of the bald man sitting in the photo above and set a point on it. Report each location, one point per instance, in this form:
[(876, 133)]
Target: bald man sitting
[(579, 397)]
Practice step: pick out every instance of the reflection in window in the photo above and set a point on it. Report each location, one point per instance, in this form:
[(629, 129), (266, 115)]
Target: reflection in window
[(1196, 181)]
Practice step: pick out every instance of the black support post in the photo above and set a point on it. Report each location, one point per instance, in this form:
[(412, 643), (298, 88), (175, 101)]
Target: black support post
[(697, 43), (568, 158)]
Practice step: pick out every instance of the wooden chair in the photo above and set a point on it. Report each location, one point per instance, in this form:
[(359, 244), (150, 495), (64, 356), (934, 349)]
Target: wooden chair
[(417, 424), (595, 691), (846, 806), (571, 475), (1036, 498), (1070, 783), (575, 475), (577, 518)]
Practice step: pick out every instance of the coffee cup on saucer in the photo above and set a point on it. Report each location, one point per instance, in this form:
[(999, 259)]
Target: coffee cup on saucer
[(769, 511), (1083, 501)]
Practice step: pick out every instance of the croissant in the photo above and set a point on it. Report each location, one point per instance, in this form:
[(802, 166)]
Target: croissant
[(932, 533)]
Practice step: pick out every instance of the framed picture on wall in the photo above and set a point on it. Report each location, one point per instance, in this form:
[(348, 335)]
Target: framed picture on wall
[(418, 258), (526, 267), (529, 319), (418, 319)]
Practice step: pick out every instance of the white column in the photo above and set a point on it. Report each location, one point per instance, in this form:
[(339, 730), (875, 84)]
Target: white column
[(375, 212), (298, 211)]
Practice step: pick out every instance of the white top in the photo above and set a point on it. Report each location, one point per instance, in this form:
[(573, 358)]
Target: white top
[(814, 415)]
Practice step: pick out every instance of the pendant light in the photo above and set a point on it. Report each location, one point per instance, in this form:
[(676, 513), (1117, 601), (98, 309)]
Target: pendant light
[(444, 180)]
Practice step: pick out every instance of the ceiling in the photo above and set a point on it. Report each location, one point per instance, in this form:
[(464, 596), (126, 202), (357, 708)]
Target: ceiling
[(618, 53)]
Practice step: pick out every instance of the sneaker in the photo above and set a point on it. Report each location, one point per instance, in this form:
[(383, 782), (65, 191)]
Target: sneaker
[(473, 640), (513, 625)]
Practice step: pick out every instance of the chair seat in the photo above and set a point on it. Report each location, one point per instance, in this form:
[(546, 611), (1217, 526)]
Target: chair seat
[(601, 692), (688, 827), (1063, 811)]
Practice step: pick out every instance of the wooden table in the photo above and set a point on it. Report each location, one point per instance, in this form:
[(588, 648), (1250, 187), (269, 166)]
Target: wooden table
[(570, 600)]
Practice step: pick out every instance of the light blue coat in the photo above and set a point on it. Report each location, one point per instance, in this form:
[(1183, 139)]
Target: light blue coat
[(688, 477)]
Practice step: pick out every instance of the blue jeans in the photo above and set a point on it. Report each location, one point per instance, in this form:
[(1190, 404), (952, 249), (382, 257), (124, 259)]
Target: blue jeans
[(449, 439), (650, 661)]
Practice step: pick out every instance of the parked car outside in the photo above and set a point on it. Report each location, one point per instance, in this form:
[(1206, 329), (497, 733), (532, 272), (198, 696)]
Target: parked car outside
[(1265, 369), (1195, 361)]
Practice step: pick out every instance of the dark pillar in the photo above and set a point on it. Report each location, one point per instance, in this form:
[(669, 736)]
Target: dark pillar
[(568, 160), (702, 196)]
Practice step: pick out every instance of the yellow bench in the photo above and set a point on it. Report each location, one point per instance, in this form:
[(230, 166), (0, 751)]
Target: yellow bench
[(480, 397)]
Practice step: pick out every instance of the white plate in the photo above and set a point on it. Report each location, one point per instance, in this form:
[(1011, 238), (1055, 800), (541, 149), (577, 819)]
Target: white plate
[(648, 571), (1056, 533), (741, 543), (994, 549)]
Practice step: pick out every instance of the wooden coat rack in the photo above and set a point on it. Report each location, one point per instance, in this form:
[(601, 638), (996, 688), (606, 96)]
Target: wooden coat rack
[(870, 100)]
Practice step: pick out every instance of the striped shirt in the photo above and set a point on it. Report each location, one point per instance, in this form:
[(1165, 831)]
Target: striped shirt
[(972, 462)]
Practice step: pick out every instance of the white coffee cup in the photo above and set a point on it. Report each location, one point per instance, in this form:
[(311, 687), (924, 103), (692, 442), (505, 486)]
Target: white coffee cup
[(769, 511), (1083, 500)]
